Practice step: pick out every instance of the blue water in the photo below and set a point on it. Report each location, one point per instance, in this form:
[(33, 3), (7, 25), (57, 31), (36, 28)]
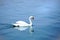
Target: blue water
[(46, 24)]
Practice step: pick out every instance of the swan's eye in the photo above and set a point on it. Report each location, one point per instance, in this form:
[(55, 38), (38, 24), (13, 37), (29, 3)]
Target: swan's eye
[(31, 17)]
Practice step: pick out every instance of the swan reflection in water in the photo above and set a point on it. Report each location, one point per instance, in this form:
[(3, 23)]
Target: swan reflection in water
[(21, 25)]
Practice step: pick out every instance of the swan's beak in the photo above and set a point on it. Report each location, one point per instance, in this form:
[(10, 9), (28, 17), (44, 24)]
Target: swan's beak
[(32, 18)]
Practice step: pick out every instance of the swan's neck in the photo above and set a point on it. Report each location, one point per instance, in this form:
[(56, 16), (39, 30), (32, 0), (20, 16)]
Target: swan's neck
[(30, 22)]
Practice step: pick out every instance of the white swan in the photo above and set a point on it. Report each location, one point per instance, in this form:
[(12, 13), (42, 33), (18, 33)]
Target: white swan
[(21, 25)]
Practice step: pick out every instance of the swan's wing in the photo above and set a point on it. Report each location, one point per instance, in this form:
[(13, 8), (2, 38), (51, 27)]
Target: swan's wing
[(22, 23)]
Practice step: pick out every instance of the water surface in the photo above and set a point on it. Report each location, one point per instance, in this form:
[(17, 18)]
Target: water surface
[(46, 24)]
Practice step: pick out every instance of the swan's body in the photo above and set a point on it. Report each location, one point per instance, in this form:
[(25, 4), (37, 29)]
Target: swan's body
[(22, 24)]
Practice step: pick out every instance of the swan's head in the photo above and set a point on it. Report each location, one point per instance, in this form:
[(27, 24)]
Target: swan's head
[(31, 17)]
